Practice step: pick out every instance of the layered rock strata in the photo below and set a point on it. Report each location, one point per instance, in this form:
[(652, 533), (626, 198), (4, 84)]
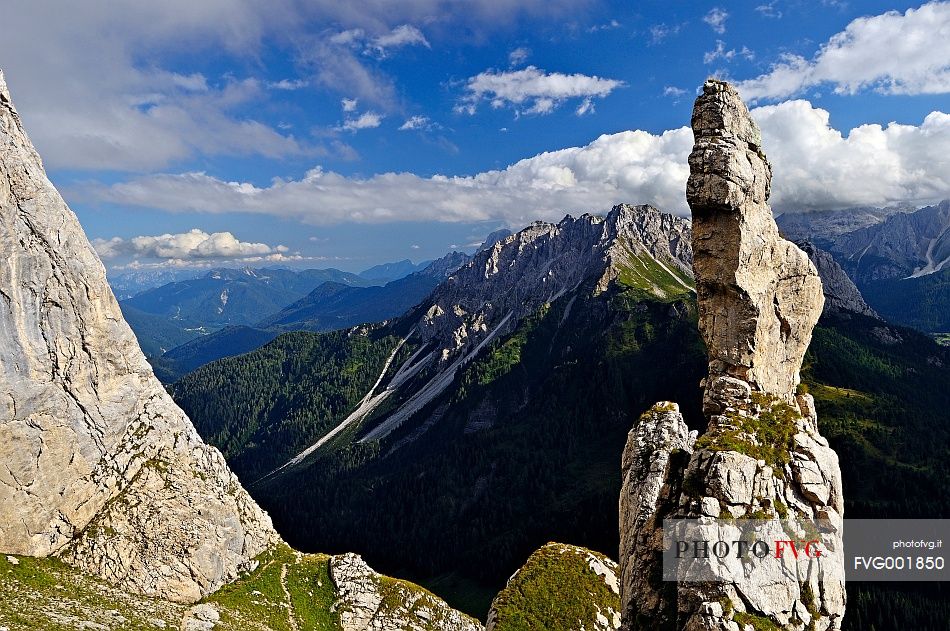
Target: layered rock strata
[(99, 466), (762, 456)]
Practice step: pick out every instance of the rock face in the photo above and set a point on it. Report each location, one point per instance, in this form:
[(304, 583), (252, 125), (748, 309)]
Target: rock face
[(762, 456), (100, 466), (759, 296), (841, 294), (514, 276), (368, 601), (560, 587), (825, 226)]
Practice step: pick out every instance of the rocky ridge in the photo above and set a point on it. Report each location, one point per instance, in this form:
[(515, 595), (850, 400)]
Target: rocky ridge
[(104, 471), (911, 244), (288, 591), (761, 456), (824, 226), (370, 602), (515, 277), (518, 274)]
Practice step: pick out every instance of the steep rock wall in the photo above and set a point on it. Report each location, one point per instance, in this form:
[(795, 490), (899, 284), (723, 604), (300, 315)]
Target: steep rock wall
[(97, 463)]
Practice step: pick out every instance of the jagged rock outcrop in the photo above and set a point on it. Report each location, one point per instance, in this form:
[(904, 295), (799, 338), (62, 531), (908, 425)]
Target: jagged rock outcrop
[(368, 601), (841, 294), (759, 296), (559, 587), (100, 466), (762, 456), (518, 274)]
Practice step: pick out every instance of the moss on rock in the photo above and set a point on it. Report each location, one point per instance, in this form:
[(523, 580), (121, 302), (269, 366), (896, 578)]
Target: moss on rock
[(560, 587)]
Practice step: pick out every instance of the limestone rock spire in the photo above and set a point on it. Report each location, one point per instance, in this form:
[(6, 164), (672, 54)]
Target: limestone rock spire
[(759, 295), (762, 456), (100, 466)]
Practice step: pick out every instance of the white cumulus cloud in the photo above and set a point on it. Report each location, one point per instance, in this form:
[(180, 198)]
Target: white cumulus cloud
[(194, 245), (403, 35), (535, 90), (893, 53), (415, 122), (633, 165), (366, 120), (815, 167)]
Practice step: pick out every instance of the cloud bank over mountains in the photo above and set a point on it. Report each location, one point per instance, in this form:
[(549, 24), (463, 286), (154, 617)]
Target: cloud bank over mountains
[(194, 248), (815, 166)]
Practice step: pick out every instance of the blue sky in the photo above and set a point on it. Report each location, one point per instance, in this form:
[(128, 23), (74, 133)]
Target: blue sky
[(346, 134)]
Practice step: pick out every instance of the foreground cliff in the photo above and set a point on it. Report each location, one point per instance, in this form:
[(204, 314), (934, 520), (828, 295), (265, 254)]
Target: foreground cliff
[(102, 469), (761, 456)]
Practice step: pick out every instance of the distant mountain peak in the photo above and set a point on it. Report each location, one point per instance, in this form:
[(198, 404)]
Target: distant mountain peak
[(386, 272), (517, 275), (494, 237), (635, 247)]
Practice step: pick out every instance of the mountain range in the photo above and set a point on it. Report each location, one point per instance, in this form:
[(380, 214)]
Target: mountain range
[(179, 326), (330, 306), (449, 442), (898, 258), (486, 420), (385, 272)]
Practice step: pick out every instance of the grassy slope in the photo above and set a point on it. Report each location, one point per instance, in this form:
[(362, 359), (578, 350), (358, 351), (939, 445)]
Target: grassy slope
[(884, 405), (262, 597), (556, 589), (47, 595), (288, 591)]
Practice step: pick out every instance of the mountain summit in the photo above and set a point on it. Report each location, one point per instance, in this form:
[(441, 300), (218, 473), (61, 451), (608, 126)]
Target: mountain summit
[(487, 299), (485, 421)]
